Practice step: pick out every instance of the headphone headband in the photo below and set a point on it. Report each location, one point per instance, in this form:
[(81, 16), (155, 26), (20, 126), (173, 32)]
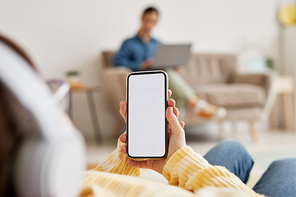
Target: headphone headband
[(31, 91)]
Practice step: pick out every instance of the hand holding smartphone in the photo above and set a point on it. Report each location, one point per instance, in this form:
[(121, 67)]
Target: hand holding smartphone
[(147, 135), (175, 131)]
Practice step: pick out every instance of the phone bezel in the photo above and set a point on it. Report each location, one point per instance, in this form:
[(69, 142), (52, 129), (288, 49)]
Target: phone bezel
[(166, 105)]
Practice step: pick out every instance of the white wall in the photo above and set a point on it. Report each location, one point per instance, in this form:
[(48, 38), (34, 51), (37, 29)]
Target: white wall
[(70, 34)]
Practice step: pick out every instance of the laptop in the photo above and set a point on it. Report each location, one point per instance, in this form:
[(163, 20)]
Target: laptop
[(172, 55)]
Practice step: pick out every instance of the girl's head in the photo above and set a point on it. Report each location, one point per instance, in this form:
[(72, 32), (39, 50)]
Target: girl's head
[(10, 133)]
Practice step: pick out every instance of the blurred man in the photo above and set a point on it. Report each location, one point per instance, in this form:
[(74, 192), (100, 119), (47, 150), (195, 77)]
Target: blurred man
[(137, 53)]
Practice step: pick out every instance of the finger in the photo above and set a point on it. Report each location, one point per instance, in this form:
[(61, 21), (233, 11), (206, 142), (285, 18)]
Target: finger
[(169, 128), (176, 112), (123, 149), (138, 164), (150, 62), (173, 121), (182, 124), (171, 103), (170, 133), (122, 106), (170, 93), (122, 138), (122, 109)]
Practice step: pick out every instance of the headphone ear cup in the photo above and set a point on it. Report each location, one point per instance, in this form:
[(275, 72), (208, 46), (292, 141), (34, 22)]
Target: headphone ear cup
[(27, 166), (50, 168), (64, 162)]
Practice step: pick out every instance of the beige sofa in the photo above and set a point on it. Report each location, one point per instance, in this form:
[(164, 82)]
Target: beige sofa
[(215, 79)]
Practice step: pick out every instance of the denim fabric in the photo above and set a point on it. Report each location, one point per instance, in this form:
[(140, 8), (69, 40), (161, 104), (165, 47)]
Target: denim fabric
[(279, 179), (133, 52), (232, 155)]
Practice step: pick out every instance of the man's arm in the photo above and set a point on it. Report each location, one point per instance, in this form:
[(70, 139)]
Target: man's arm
[(122, 57)]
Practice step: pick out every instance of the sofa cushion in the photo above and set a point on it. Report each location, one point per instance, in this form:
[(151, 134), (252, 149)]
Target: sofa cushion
[(232, 95), (205, 69)]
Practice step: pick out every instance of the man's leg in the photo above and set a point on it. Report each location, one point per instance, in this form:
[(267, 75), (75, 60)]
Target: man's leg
[(279, 179), (181, 90), (232, 155), (184, 94), (180, 86)]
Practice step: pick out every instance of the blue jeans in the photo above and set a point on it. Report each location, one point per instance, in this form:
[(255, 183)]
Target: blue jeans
[(278, 180)]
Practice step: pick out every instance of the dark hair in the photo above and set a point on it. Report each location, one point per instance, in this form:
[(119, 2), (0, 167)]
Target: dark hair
[(10, 136), (17, 49), (150, 10)]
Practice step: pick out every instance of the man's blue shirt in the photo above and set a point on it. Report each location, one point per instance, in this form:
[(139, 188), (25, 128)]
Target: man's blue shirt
[(133, 52)]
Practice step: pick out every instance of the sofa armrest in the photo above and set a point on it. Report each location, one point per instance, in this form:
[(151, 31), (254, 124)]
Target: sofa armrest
[(266, 80), (114, 85), (120, 72)]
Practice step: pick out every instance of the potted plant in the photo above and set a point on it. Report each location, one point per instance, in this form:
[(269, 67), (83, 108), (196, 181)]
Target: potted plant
[(74, 79)]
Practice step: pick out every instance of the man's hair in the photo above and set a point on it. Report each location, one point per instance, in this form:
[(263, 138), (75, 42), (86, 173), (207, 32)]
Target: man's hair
[(150, 10)]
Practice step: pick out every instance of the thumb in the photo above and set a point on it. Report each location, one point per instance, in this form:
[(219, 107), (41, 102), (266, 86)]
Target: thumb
[(173, 121)]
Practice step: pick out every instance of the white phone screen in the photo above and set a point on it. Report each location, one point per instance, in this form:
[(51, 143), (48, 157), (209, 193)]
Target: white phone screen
[(146, 115)]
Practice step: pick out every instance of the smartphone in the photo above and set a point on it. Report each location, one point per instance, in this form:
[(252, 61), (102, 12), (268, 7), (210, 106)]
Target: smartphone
[(147, 135)]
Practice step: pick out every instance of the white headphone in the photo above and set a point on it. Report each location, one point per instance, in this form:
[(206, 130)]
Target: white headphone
[(51, 158)]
